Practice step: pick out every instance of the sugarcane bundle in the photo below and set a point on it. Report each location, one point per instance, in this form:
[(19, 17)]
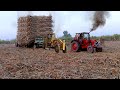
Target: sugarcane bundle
[(31, 26)]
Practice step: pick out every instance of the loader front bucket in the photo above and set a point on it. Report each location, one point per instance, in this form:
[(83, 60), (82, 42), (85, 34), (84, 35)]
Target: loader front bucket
[(64, 45)]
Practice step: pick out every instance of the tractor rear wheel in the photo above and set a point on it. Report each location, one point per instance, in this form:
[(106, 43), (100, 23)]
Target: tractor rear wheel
[(57, 49), (90, 49), (75, 46)]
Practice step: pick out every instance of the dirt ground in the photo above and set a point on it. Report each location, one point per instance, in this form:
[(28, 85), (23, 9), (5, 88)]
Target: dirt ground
[(25, 63)]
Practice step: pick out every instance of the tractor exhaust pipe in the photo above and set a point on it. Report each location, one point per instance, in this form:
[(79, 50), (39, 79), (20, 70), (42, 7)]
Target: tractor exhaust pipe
[(91, 31), (89, 37)]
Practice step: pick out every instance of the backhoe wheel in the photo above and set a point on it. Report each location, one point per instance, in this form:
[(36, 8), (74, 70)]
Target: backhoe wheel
[(64, 51), (90, 49), (75, 46), (57, 49)]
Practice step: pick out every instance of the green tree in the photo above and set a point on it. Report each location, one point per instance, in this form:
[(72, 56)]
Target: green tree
[(65, 33), (67, 36)]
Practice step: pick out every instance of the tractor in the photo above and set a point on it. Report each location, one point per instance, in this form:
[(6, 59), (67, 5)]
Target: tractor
[(39, 41), (82, 41), (51, 41)]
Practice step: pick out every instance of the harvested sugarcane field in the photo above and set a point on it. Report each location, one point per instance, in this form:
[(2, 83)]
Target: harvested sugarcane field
[(60, 45), (28, 63)]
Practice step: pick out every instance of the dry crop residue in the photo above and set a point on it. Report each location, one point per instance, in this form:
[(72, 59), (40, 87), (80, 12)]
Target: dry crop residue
[(28, 63)]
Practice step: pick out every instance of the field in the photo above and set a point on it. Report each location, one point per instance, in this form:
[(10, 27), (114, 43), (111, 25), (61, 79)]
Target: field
[(26, 63)]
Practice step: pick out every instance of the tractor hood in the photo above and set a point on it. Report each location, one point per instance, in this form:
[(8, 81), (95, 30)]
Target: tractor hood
[(93, 42)]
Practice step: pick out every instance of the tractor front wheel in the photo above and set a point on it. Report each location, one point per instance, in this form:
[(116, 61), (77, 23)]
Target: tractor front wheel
[(57, 49), (75, 46), (90, 49), (64, 51)]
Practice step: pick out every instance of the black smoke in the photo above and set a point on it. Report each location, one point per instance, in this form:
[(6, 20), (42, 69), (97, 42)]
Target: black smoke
[(99, 19)]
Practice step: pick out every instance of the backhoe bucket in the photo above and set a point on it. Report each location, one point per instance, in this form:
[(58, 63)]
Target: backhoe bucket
[(64, 45)]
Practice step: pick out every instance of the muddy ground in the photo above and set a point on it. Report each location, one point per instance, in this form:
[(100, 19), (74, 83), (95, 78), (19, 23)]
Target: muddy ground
[(26, 63)]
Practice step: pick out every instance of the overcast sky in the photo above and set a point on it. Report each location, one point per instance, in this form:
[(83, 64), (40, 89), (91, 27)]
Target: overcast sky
[(72, 21)]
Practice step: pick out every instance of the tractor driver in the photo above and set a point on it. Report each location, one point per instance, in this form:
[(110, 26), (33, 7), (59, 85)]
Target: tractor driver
[(77, 36)]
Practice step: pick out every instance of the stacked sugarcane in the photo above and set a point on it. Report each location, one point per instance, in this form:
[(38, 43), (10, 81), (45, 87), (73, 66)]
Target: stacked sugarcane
[(32, 26), (42, 24)]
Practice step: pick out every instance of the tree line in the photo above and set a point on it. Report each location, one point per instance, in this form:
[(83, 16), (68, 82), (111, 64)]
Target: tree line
[(7, 41), (115, 37), (68, 37)]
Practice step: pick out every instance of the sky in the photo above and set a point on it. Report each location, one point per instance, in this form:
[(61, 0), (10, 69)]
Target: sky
[(72, 21)]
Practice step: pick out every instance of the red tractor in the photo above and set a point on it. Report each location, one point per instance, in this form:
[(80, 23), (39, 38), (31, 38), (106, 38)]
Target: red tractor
[(82, 41)]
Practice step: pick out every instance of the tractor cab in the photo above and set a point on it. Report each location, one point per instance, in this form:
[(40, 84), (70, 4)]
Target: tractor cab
[(39, 41), (50, 37), (83, 35)]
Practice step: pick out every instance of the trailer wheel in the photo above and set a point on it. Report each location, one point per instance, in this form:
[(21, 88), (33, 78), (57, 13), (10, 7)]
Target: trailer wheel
[(34, 46), (57, 49), (64, 51), (16, 44)]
